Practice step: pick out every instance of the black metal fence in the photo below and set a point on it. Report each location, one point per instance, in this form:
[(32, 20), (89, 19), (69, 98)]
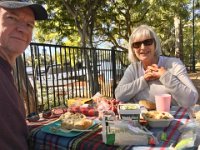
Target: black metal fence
[(57, 73)]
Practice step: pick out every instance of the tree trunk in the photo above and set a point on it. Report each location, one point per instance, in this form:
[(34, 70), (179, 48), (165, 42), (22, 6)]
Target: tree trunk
[(24, 86), (178, 38)]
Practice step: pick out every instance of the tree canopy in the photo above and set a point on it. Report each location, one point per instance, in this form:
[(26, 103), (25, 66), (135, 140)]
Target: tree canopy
[(94, 23)]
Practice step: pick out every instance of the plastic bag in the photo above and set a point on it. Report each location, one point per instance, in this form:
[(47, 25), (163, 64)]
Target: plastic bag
[(120, 132), (190, 136)]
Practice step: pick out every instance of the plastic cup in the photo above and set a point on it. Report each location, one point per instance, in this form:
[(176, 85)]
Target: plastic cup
[(163, 102)]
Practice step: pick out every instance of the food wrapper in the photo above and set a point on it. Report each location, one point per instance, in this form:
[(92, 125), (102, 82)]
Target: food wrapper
[(97, 96), (190, 136), (78, 101), (121, 132), (105, 104)]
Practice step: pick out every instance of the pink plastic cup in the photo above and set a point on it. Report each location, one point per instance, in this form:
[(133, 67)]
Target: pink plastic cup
[(163, 102)]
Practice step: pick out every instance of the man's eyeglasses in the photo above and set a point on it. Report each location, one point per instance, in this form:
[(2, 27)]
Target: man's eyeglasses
[(146, 42)]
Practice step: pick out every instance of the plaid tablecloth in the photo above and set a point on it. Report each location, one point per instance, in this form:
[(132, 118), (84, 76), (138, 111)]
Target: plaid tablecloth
[(40, 140)]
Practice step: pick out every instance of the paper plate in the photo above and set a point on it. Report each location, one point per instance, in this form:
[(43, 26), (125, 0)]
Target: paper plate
[(54, 128)]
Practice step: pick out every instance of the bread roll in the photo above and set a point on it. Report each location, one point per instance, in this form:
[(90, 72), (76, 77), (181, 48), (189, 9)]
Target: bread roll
[(75, 121), (147, 104), (82, 124), (67, 124)]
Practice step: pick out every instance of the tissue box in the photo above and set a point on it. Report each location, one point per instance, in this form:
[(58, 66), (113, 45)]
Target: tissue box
[(129, 111)]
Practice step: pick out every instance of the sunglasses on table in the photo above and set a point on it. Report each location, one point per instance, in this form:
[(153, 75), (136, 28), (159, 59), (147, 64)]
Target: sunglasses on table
[(146, 42)]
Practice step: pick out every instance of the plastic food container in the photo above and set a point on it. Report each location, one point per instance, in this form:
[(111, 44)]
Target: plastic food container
[(129, 111), (158, 123)]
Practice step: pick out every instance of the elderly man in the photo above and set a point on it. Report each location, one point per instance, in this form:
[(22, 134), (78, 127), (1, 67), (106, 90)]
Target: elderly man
[(17, 18)]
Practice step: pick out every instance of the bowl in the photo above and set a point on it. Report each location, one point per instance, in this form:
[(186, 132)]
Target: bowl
[(161, 123), (157, 119), (46, 113)]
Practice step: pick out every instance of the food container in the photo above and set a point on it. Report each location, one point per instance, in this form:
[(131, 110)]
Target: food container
[(46, 113), (129, 111), (161, 119), (33, 117), (161, 123)]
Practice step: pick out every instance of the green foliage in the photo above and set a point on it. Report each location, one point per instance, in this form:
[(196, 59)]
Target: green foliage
[(93, 22)]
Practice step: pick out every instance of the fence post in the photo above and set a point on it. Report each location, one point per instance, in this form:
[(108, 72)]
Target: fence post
[(95, 71), (113, 61)]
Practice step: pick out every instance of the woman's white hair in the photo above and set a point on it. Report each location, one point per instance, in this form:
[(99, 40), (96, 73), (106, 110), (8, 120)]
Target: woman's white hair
[(143, 31)]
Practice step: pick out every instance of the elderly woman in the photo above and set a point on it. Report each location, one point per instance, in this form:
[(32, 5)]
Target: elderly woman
[(150, 74)]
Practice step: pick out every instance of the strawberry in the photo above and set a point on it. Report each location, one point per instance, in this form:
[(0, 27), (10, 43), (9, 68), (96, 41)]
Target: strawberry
[(91, 112), (84, 110)]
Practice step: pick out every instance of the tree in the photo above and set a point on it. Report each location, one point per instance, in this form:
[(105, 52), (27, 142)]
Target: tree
[(28, 96), (84, 21), (110, 21), (83, 17), (178, 38)]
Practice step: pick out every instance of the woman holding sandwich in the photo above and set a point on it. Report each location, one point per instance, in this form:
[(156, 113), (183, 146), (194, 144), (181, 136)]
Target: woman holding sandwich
[(150, 73)]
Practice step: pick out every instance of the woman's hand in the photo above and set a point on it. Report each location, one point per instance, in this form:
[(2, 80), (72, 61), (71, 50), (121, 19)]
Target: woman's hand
[(154, 72)]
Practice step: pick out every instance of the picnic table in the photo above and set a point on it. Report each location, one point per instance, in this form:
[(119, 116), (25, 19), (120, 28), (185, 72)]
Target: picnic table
[(40, 140)]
